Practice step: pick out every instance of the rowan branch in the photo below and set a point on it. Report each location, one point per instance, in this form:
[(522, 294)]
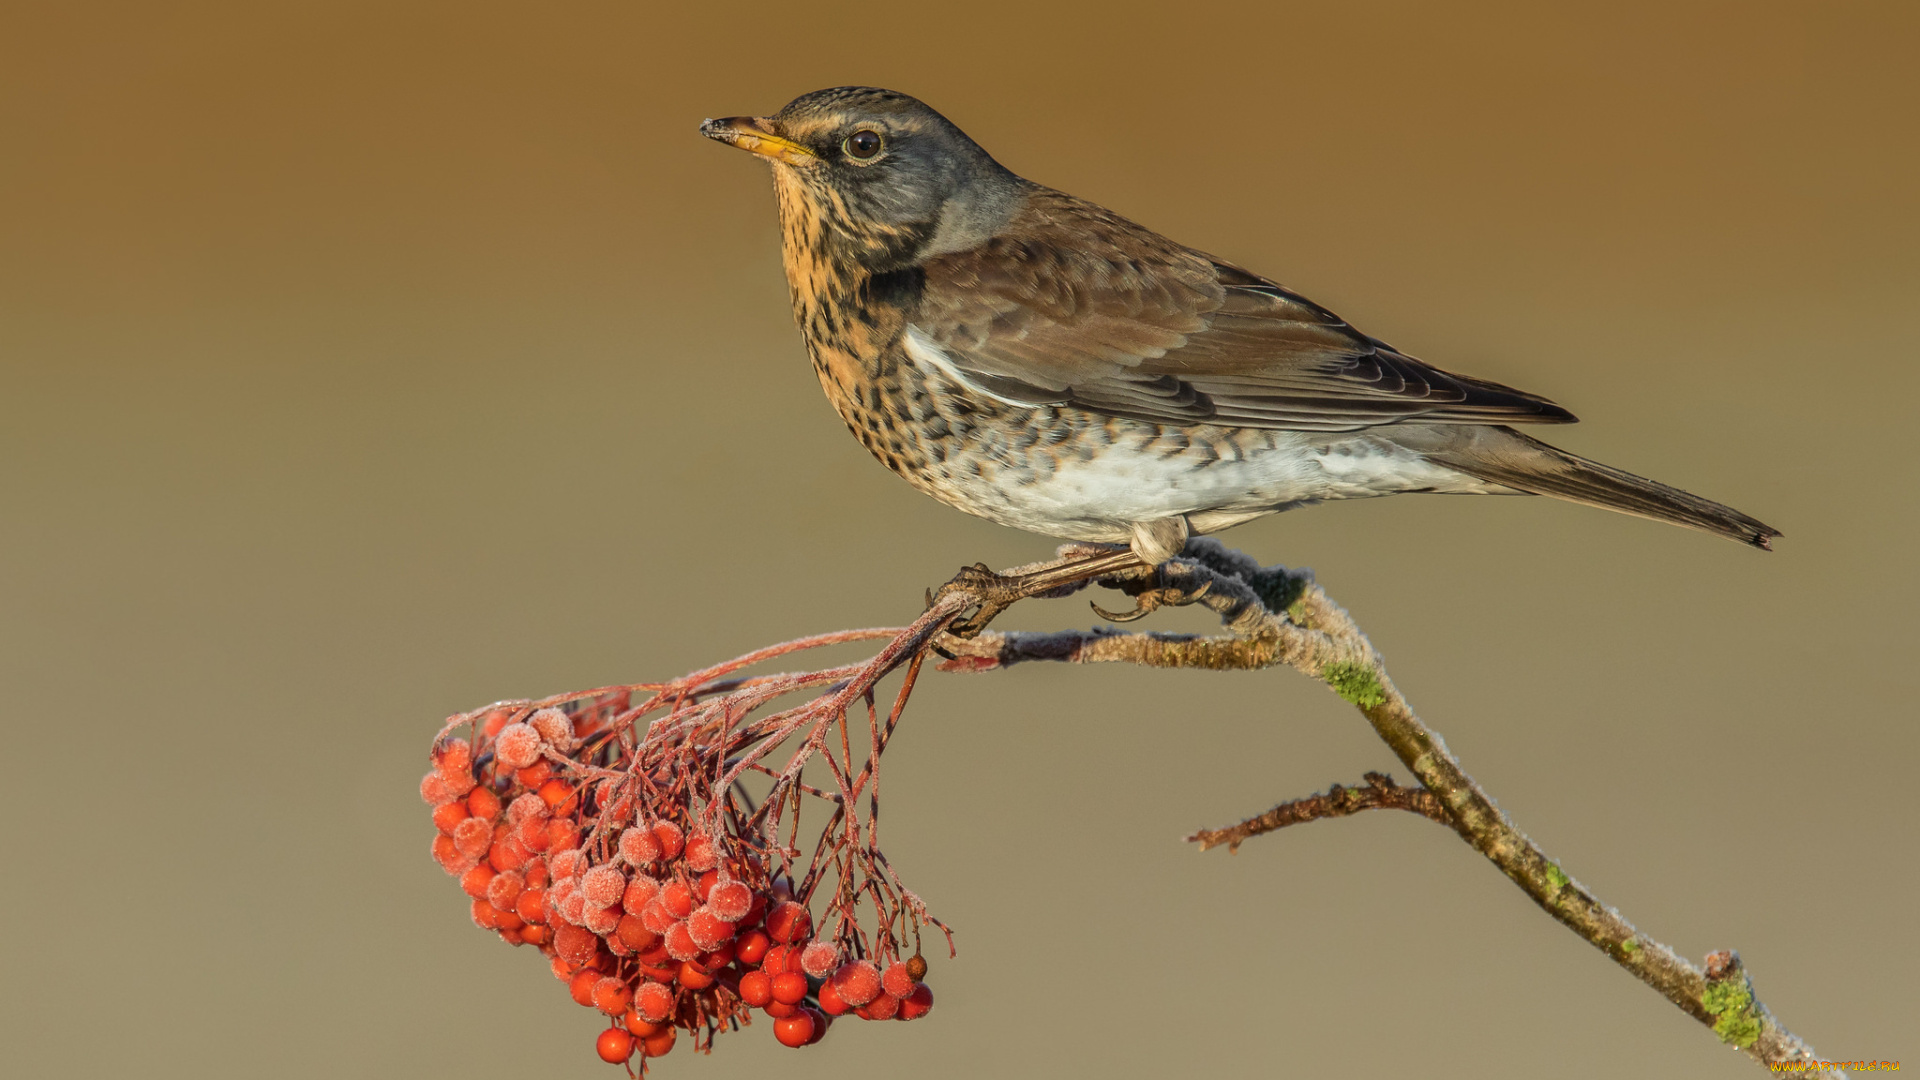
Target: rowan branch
[(1381, 793), (1276, 617)]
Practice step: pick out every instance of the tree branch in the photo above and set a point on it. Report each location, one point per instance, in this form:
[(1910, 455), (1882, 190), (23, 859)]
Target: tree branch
[(1277, 617), (1381, 793)]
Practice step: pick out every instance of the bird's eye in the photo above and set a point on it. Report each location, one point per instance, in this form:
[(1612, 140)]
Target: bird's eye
[(862, 145)]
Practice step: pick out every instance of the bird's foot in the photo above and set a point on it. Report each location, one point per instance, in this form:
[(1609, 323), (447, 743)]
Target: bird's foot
[(1158, 592), (994, 593)]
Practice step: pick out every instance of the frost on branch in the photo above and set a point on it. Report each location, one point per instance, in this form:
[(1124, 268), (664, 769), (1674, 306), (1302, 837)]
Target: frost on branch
[(616, 831)]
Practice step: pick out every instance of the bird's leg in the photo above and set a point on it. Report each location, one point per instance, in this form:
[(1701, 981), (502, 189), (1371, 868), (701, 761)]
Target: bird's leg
[(1163, 589), (998, 592)]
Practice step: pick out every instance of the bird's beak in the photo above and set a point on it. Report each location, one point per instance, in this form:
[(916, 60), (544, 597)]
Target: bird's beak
[(754, 134)]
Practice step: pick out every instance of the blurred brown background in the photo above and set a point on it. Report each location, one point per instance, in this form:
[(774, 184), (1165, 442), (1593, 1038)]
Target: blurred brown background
[(365, 362)]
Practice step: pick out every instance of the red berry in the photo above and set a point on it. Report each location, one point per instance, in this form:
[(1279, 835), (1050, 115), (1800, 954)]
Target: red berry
[(820, 1023), (517, 746), (562, 835), (709, 931), (531, 905), (790, 987), (566, 863), (553, 726), (507, 852), (433, 789), (504, 890), (691, 977), (485, 915), (526, 807), (917, 1004), (775, 961), (670, 838), (448, 817), (657, 918), (751, 947), (778, 1009), (882, 1007), (701, 853), (483, 803), (601, 920), (473, 836), (453, 759), (895, 981), (795, 1030), (638, 846), (658, 1045), (603, 885), (556, 792), (680, 943), (718, 958), (612, 996), (634, 934), (653, 1001), (449, 857), (858, 982), (614, 1046), (533, 833), (819, 959), (641, 1027), (640, 890), (533, 775), (756, 988), (581, 986), (577, 945), (730, 900), (830, 1000), (678, 899), (475, 881), (755, 911), (789, 922)]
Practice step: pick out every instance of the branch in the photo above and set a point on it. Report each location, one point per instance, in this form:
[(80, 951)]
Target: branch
[(1276, 617), (1381, 793)]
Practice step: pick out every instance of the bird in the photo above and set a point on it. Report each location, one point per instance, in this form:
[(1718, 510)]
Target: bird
[(1040, 361)]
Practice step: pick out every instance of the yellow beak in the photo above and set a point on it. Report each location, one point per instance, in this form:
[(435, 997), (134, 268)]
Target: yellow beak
[(754, 134)]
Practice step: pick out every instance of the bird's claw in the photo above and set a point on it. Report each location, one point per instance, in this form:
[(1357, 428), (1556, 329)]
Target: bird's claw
[(993, 594), (1141, 609), (1152, 600)]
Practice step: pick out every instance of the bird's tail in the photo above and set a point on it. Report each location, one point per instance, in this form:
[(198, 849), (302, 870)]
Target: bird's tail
[(1503, 456)]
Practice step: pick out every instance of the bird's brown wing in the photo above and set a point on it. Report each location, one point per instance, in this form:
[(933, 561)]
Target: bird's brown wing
[(1074, 305)]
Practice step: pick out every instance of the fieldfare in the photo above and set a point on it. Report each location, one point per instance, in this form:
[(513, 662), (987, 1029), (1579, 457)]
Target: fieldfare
[(1040, 361)]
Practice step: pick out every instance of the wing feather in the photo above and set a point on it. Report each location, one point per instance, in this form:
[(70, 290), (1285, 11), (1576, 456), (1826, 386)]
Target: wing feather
[(1072, 304)]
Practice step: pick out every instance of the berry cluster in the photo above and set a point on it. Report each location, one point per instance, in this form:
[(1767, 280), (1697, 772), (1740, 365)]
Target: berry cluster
[(659, 889)]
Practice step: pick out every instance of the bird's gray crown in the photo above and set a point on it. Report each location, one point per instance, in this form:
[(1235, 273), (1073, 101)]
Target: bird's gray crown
[(929, 186)]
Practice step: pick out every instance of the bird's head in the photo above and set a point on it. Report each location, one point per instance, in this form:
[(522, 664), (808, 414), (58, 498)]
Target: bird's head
[(875, 177)]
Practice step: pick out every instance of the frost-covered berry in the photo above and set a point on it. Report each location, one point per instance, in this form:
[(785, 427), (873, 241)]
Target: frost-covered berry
[(555, 727), (603, 885), (517, 746), (653, 1001), (819, 959), (858, 982)]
